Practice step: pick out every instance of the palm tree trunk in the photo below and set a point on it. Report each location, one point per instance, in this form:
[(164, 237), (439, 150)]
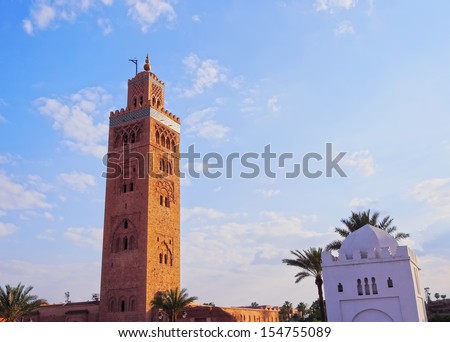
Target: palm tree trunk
[(319, 283)]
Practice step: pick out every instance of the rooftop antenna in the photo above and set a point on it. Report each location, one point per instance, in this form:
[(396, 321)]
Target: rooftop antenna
[(135, 61)]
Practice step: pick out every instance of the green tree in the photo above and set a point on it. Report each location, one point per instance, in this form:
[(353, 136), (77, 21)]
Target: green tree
[(358, 220), (172, 302), (15, 302), (302, 309), (310, 261), (314, 314), (254, 305), (286, 312)]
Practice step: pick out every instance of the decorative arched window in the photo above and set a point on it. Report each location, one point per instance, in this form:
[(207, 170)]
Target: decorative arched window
[(374, 286), (122, 305), (135, 102), (132, 305), (165, 259), (340, 288), (161, 164), (153, 101), (158, 103), (170, 168), (157, 137), (133, 138), (112, 305), (168, 143), (163, 140), (125, 223), (359, 287), (125, 243), (366, 286), (125, 138), (174, 148), (160, 258), (390, 283), (167, 202), (161, 200), (131, 186), (141, 101)]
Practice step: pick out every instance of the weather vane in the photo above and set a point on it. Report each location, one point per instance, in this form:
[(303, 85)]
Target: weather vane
[(135, 61)]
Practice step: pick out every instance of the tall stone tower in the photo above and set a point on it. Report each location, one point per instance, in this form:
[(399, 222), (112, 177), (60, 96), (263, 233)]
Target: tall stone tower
[(141, 236)]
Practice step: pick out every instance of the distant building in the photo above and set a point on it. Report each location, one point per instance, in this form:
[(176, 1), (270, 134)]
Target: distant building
[(372, 280)]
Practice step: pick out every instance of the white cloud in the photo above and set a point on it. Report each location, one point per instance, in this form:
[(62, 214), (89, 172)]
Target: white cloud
[(75, 116), (85, 236), (39, 184), (49, 216), (268, 192), (206, 74), (202, 124), (147, 12), (15, 196), (7, 229), (78, 181), (362, 161), (273, 104), (345, 27), (201, 213), (4, 159), (358, 202), (435, 192), (330, 5), (2, 118), (47, 13), (196, 18), (105, 25)]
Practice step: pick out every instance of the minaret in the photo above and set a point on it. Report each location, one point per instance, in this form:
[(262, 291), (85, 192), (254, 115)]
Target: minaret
[(141, 235)]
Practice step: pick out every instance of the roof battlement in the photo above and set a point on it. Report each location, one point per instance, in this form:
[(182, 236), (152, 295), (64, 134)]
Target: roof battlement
[(377, 254), (146, 75), (122, 111)]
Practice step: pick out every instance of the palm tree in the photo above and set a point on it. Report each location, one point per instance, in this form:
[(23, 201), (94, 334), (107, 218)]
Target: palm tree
[(358, 220), (172, 302), (310, 261), (17, 301)]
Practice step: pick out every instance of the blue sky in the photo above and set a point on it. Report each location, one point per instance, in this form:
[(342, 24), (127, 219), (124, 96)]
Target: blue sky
[(369, 76)]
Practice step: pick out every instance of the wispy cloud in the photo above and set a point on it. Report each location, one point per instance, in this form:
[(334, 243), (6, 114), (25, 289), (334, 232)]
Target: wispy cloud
[(201, 213), (267, 193), (273, 104), (78, 181), (7, 229), (48, 13), (206, 73), (196, 18), (330, 5), (202, 124), (435, 192), (76, 115), (147, 12), (105, 25), (15, 196), (344, 28), (362, 161), (361, 202), (85, 236)]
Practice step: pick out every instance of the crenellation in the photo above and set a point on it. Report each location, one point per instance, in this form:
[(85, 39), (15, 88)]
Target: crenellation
[(380, 253)]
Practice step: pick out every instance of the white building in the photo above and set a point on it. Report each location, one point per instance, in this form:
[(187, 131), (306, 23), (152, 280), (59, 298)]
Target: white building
[(372, 280)]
